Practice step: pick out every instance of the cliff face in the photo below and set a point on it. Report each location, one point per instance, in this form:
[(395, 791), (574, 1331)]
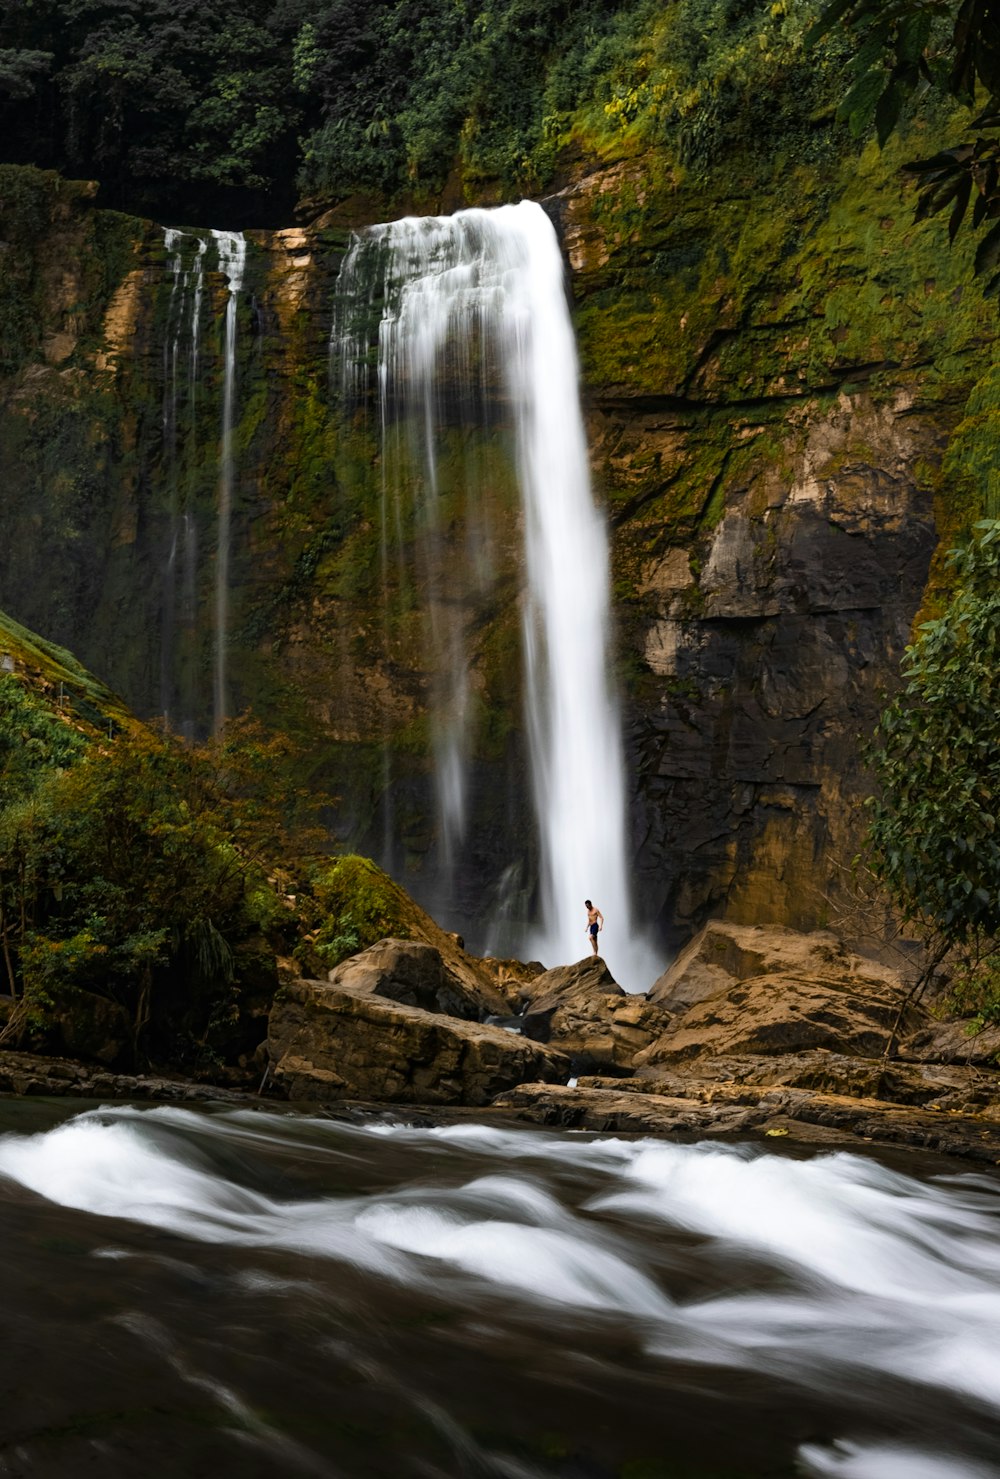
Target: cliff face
[(775, 376), (773, 380)]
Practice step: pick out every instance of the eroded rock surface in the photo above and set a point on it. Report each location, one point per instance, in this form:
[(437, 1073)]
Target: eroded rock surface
[(953, 1042), (415, 974), (582, 1010), (344, 1042), (741, 990), (614, 1108)]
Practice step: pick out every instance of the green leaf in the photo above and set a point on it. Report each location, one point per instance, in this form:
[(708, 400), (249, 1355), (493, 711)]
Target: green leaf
[(914, 34), (860, 102), (988, 251), (961, 204), (887, 111)]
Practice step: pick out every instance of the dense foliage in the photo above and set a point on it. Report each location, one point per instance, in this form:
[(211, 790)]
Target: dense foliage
[(935, 830), (184, 104), (144, 886), (905, 48)]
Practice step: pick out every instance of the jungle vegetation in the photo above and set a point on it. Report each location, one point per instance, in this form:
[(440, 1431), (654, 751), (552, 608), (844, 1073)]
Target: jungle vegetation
[(148, 889), (935, 834), (185, 105)]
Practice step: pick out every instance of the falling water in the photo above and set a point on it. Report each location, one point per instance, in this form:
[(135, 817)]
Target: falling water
[(189, 593), (181, 340), (493, 281), (232, 250), (172, 241)]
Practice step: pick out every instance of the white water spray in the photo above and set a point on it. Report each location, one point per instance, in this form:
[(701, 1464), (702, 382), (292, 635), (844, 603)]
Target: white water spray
[(497, 277), (232, 250)]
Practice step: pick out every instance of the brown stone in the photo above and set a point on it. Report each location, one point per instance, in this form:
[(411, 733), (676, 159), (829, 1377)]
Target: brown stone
[(740, 990), (582, 1010), (798, 1113), (414, 974), (723, 954), (339, 1042), (953, 1042)]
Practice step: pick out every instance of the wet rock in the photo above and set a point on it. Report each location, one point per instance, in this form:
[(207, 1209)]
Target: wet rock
[(29, 1074), (948, 1087), (731, 1111), (340, 1042), (583, 1011), (415, 974)]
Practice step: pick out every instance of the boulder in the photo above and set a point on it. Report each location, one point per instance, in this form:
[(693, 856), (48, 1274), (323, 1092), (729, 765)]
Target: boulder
[(740, 990), (329, 1043), (723, 954), (415, 974), (583, 1011), (961, 1041)]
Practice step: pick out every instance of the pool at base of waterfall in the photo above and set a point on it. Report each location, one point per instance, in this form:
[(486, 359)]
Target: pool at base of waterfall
[(249, 1293)]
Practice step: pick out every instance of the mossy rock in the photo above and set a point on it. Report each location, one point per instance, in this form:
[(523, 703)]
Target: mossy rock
[(360, 904)]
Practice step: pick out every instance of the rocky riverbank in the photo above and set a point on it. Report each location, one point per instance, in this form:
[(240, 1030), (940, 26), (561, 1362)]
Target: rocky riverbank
[(751, 1032)]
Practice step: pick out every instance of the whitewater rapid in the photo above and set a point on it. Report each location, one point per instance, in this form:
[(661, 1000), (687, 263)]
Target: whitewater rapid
[(832, 1280)]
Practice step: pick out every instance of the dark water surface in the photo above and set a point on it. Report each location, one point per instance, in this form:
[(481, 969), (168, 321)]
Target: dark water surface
[(252, 1294)]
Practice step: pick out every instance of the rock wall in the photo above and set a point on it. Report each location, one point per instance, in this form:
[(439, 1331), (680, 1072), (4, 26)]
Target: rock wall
[(773, 375)]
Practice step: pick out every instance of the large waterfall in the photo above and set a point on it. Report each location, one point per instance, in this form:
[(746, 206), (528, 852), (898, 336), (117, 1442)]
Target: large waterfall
[(478, 299)]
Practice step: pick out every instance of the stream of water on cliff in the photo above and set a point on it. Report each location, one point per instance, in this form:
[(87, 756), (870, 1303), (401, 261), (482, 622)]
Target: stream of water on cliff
[(247, 1294), (182, 338), (232, 249), (474, 322)]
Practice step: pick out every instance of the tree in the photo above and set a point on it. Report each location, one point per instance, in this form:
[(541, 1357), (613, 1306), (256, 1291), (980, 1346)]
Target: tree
[(935, 824), (906, 49)]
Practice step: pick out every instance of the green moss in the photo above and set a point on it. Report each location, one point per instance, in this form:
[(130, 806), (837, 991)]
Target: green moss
[(359, 904)]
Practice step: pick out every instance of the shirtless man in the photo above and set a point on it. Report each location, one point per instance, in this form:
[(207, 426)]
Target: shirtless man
[(595, 922)]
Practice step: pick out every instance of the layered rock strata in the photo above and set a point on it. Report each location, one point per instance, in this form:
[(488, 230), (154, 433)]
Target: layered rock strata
[(328, 1043)]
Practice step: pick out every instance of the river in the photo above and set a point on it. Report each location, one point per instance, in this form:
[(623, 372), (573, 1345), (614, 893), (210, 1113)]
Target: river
[(253, 1294)]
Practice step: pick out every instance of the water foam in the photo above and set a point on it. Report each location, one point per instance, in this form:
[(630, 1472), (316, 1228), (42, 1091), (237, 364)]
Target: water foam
[(830, 1274)]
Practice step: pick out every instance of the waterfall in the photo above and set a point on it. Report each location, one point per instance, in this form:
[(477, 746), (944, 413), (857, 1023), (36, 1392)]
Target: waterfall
[(186, 264), (189, 596), (172, 241), (232, 249), (456, 294)]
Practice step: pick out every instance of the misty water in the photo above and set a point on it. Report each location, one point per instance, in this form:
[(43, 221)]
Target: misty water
[(258, 1294), (472, 313)]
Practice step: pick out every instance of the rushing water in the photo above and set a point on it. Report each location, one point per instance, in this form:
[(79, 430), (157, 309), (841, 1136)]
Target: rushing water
[(458, 295), (251, 1294)]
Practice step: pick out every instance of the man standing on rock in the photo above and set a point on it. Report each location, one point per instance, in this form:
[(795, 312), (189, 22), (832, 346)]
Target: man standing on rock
[(595, 922)]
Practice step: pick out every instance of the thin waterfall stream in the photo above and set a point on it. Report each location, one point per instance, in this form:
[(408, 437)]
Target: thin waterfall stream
[(465, 298), (187, 263), (232, 249)]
